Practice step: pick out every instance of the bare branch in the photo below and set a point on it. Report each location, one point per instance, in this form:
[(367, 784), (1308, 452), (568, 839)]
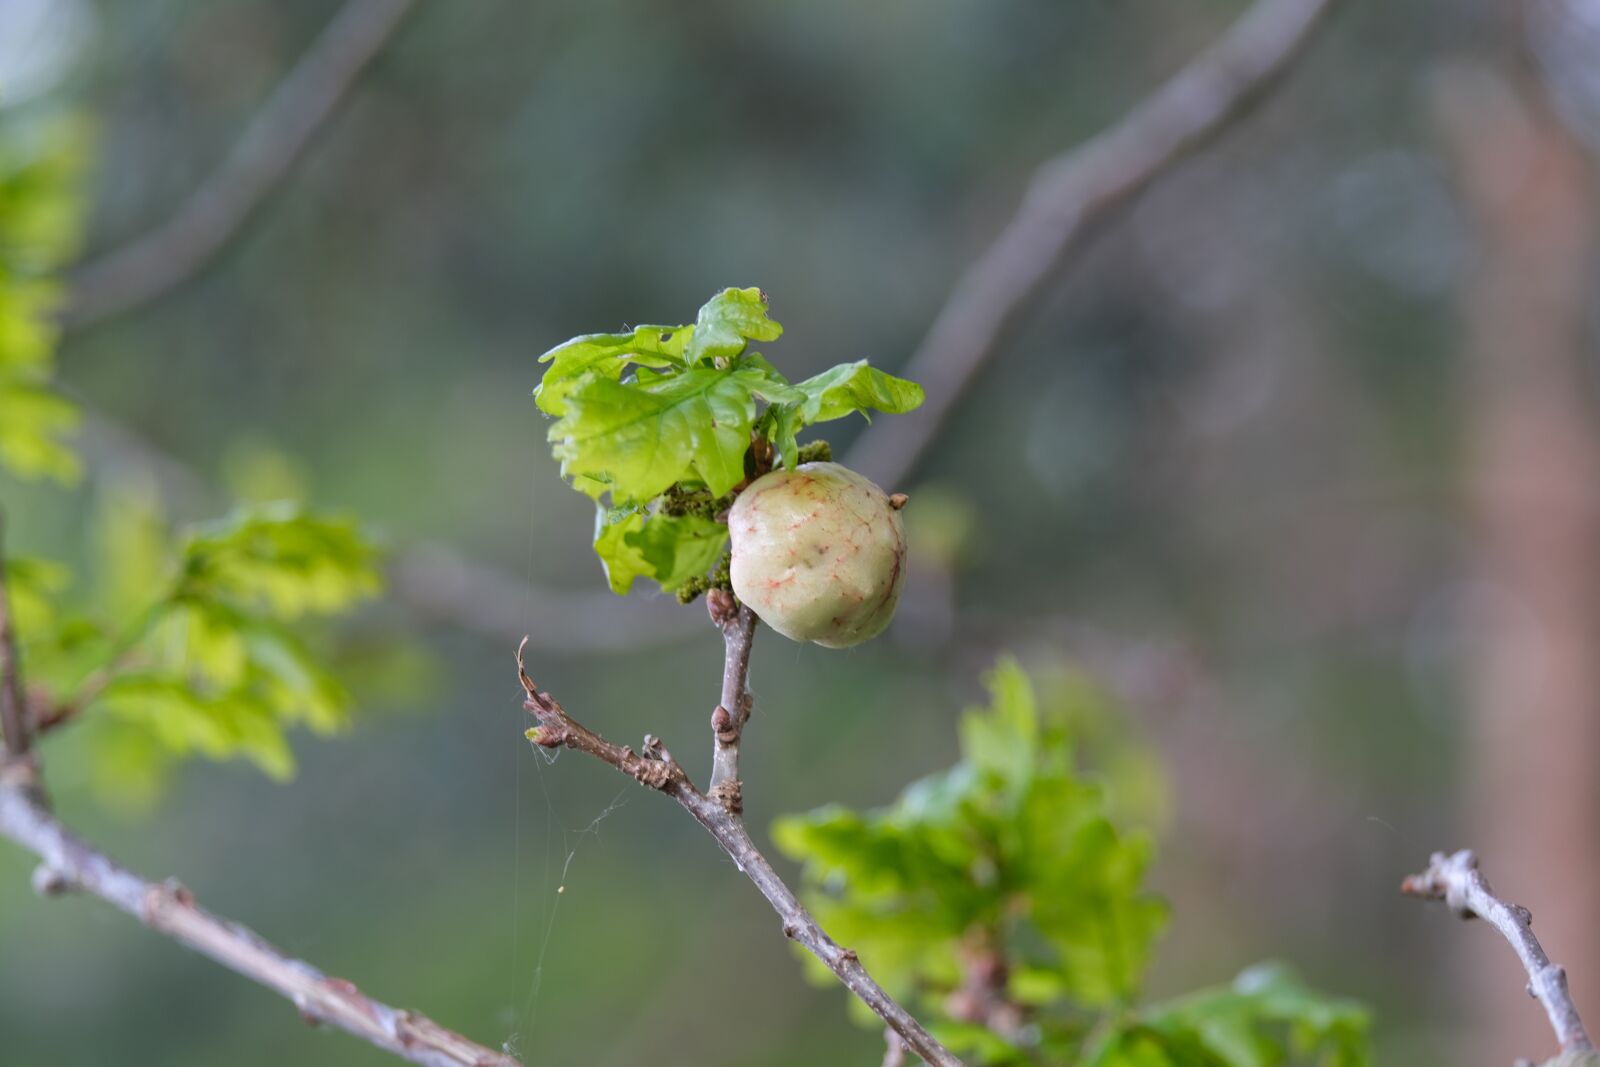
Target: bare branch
[(738, 625), (1069, 201), (654, 766), (169, 909), (13, 699), (274, 142), (1456, 880)]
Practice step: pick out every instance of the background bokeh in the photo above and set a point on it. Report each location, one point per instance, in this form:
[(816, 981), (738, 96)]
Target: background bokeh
[(1232, 467)]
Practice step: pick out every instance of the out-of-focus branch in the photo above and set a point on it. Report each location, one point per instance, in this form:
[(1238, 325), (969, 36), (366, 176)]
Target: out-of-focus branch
[(894, 1050), (69, 863), (1069, 201), (438, 582), (1456, 880), (273, 143), (653, 766), (434, 580), (738, 625)]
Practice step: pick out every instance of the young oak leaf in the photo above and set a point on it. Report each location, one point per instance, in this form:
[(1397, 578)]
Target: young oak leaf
[(835, 393), (650, 433), (852, 387), (728, 321), (670, 549), (607, 355)]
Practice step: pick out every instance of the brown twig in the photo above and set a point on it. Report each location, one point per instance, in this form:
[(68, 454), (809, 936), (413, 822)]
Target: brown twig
[(654, 766), (738, 625), (13, 698), (273, 143), (1069, 201), (169, 909), (1456, 880)]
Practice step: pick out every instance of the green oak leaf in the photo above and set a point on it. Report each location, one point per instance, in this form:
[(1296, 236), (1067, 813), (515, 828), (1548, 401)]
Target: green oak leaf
[(608, 355), (1266, 1018), (648, 434), (852, 387), (670, 549), (212, 665), (833, 394), (727, 322)]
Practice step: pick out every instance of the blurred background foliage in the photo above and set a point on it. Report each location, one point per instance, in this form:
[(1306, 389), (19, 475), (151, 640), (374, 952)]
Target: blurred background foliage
[(1221, 469)]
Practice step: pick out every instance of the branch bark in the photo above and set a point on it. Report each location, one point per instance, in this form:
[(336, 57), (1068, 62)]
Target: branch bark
[(1069, 201), (738, 625), (170, 910), (1456, 880), (654, 767), (274, 142)]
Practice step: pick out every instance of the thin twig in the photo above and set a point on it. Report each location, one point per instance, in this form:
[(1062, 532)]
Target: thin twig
[(1456, 880), (654, 766), (169, 909), (273, 143), (738, 625), (1069, 201), (13, 699)]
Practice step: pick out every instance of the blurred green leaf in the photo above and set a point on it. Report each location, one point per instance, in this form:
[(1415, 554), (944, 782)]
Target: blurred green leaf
[(1009, 847), (206, 658), (34, 423), (32, 588), (281, 559), (1010, 855), (1266, 1018), (219, 724), (39, 220)]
